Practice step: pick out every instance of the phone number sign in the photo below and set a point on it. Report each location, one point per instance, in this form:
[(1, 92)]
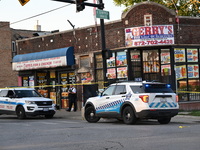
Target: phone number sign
[(149, 35)]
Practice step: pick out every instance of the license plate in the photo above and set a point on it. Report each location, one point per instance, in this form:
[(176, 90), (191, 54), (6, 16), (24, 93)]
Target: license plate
[(45, 109), (163, 100)]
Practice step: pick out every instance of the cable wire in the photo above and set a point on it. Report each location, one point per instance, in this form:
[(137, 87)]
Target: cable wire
[(38, 15)]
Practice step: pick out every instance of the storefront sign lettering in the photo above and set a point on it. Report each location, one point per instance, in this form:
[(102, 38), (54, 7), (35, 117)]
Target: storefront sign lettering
[(40, 63), (149, 35), (2, 106)]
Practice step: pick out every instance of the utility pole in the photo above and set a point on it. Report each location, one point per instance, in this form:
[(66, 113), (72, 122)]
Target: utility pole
[(103, 47), (80, 6)]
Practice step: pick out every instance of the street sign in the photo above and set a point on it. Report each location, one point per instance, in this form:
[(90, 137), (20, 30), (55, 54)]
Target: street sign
[(102, 14), (23, 2)]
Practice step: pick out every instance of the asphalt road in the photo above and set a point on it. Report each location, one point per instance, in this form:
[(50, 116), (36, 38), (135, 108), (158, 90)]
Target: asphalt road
[(67, 131)]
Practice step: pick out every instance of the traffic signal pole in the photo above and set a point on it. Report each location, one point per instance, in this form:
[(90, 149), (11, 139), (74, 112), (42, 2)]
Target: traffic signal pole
[(100, 5), (103, 47)]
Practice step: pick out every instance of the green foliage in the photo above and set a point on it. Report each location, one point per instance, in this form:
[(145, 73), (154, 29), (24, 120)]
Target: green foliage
[(195, 113), (182, 7)]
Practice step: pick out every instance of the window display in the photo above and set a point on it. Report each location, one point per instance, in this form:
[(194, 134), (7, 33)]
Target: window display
[(179, 54), (192, 55)]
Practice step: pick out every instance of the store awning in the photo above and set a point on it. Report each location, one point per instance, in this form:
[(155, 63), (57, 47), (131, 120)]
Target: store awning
[(46, 59)]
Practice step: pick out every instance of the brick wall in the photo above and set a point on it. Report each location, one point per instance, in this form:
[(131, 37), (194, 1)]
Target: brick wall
[(188, 106), (7, 76)]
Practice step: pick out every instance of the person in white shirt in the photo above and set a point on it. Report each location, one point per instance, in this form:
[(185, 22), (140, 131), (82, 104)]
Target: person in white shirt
[(72, 98)]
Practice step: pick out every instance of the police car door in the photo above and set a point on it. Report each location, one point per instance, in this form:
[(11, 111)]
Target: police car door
[(8, 101), (4, 100), (111, 100)]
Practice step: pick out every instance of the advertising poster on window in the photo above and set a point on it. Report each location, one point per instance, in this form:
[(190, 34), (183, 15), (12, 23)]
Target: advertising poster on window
[(193, 71), (121, 59), (111, 62), (64, 89), (180, 72), (149, 35), (135, 56), (31, 81), (41, 81), (86, 77), (122, 72), (165, 57), (72, 78), (25, 81), (192, 55), (179, 54), (111, 73), (166, 70)]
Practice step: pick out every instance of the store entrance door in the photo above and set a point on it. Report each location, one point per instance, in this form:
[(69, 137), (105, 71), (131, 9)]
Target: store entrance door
[(151, 65)]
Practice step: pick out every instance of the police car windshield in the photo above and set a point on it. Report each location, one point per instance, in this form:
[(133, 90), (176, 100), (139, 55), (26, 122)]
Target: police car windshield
[(27, 93)]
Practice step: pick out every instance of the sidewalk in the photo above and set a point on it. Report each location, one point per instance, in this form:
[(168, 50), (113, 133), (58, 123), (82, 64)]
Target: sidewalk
[(62, 113)]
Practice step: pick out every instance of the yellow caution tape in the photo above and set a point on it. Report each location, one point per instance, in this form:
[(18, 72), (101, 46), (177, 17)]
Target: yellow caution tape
[(58, 85)]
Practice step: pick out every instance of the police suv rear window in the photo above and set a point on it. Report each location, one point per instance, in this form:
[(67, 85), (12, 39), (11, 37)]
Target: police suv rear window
[(157, 88), (152, 88)]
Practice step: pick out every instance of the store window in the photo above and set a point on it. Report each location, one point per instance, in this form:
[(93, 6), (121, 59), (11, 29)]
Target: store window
[(192, 55), (179, 55), (85, 61), (117, 66), (66, 78), (151, 65), (99, 69), (41, 82), (187, 73), (136, 65), (165, 63), (147, 20), (111, 64), (121, 63)]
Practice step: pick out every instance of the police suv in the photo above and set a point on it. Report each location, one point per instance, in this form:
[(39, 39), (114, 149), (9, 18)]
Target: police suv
[(130, 101), (25, 102)]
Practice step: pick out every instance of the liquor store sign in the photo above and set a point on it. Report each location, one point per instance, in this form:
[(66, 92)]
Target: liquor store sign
[(40, 63), (149, 35)]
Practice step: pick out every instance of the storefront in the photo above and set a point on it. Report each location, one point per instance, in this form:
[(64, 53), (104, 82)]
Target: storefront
[(50, 72), (152, 55)]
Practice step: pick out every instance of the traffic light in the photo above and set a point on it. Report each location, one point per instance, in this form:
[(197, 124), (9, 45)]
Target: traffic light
[(80, 6)]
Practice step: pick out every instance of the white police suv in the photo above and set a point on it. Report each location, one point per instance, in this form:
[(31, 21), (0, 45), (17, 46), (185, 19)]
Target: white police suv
[(25, 102), (130, 101)]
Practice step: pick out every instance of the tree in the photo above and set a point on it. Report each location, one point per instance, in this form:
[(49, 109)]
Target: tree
[(182, 7)]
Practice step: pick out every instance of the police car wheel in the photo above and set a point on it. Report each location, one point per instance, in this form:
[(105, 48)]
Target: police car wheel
[(129, 116), (20, 112), (90, 115), (165, 120)]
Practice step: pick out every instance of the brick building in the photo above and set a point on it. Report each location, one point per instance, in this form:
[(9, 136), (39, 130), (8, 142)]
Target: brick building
[(7, 49), (149, 42)]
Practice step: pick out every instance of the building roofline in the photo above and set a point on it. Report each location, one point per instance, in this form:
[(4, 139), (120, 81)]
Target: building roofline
[(148, 3)]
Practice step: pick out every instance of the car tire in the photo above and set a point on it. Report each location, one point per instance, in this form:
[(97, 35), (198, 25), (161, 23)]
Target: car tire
[(165, 120), (129, 116), (90, 115), (20, 112)]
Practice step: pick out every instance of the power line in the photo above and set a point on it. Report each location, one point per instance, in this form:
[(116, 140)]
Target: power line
[(38, 14)]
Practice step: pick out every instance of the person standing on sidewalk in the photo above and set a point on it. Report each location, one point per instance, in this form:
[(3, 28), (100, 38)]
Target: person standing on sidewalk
[(72, 98)]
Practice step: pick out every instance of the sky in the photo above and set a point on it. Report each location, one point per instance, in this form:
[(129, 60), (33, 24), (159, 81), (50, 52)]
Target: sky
[(12, 11)]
